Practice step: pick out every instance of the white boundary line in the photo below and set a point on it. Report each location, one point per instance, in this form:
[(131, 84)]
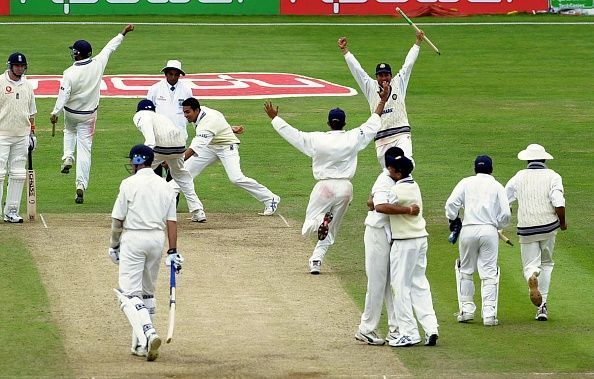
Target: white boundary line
[(518, 23), (43, 220)]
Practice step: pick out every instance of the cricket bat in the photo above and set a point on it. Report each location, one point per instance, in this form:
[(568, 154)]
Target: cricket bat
[(171, 304), (31, 190), (504, 238)]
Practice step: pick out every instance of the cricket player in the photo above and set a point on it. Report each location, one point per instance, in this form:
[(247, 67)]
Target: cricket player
[(378, 242), (17, 133), (168, 94), (541, 212), (79, 99), (143, 213), (408, 257), (395, 129), (168, 142), (215, 141), (334, 162), (486, 210)]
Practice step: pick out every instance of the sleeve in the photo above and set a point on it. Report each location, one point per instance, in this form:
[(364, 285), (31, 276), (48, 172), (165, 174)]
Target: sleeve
[(380, 191), (106, 52), (504, 215), (120, 208), (367, 131), (511, 189), (32, 104), (201, 140), (407, 67), (152, 92), (145, 125), (556, 193), (365, 82), (455, 202), (392, 197), (300, 140), (63, 94), (172, 211)]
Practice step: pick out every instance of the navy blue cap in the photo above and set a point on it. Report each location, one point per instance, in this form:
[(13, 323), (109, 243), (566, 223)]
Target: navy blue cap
[(140, 154), (383, 68), (17, 58), (336, 114), (483, 164), (145, 105), (82, 47)]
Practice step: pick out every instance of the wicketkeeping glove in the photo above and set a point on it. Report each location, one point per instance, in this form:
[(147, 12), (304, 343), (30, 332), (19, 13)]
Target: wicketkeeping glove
[(175, 258), (32, 142), (114, 254)]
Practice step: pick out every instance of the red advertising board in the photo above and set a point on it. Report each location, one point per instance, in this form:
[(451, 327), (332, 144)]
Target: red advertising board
[(387, 7), (240, 85), (4, 7)]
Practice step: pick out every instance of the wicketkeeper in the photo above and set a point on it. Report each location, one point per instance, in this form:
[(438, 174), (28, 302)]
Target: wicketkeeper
[(143, 211), (486, 210)]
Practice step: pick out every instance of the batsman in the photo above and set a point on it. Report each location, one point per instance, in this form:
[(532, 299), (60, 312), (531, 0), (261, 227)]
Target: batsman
[(17, 132), (144, 212)]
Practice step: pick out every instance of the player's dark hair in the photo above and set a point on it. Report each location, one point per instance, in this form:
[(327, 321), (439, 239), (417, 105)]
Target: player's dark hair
[(336, 124), (192, 103)]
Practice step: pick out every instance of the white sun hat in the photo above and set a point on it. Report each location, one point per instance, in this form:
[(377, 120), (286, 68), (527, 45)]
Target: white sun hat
[(534, 152), (173, 64)]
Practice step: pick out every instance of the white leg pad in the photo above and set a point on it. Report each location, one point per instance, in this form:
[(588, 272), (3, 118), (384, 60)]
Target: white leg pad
[(490, 295), (465, 288), (137, 315)]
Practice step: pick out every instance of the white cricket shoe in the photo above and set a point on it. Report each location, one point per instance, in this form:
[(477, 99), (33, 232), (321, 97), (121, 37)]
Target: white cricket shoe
[(490, 321), (154, 342), (315, 267), (465, 316), (139, 351), (542, 314), (431, 339), (13, 217), (66, 165), (535, 296), (392, 336), (198, 216), (270, 206), (404, 341), (369, 338)]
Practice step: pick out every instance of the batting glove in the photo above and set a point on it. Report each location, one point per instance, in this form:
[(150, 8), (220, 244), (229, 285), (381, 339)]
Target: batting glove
[(173, 257), (32, 142), (114, 254)]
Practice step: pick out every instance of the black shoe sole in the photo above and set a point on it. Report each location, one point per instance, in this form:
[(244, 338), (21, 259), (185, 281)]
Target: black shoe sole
[(79, 197), (66, 170), (324, 227), (432, 340)]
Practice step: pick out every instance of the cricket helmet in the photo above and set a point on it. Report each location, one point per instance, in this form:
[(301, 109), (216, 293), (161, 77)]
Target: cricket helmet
[(17, 58), (145, 105)]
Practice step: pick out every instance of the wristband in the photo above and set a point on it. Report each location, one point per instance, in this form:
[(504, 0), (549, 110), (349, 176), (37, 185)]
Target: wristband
[(172, 251)]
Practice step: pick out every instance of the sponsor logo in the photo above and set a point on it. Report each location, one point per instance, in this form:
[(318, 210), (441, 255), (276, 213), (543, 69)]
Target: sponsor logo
[(208, 86), (8, 90)]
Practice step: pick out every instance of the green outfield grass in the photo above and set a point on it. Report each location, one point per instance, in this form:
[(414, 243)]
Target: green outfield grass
[(494, 90)]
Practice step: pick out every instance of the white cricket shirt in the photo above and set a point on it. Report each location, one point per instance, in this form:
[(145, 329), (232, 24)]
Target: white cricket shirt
[(17, 105), (169, 102), (333, 153), (145, 202), (394, 118), (484, 201), (81, 83), (212, 129)]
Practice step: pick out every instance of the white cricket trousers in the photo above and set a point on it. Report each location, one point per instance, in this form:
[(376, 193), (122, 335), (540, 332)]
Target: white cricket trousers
[(182, 178), (13, 159), (377, 268), (479, 249), (330, 195), (538, 257), (403, 141), (408, 262), (78, 136), (140, 255), (229, 157)]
